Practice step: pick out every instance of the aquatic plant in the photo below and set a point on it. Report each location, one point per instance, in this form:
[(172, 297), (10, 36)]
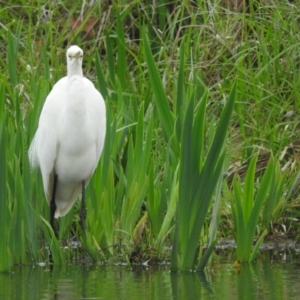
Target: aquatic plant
[(255, 203)]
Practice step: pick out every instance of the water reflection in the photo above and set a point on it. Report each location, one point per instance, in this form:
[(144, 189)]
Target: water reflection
[(183, 284), (64, 289), (262, 280)]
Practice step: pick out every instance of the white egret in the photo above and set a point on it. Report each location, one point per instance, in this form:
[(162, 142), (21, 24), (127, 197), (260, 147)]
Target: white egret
[(70, 137)]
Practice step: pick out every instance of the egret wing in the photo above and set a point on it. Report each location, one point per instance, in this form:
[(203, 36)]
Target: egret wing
[(44, 148), (97, 112)]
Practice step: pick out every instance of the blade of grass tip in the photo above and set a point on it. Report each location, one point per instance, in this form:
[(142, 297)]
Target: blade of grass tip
[(110, 58), (180, 93), (247, 204), (161, 100), (122, 70), (100, 78), (220, 135)]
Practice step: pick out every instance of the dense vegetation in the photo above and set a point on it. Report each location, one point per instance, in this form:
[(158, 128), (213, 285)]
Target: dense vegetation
[(167, 71)]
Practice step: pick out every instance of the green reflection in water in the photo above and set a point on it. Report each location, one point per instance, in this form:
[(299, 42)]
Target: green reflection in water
[(262, 280)]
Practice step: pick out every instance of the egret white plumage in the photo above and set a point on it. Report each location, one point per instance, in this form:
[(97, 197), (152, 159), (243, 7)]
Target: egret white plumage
[(70, 137)]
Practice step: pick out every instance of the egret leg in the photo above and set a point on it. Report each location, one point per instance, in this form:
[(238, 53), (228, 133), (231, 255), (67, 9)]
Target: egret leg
[(83, 208), (53, 205)]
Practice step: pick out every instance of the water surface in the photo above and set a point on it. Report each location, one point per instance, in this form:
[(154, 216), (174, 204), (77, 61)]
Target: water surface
[(265, 279)]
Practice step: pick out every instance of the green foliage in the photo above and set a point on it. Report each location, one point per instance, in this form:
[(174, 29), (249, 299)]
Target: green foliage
[(167, 74), (5, 253), (247, 205), (161, 100), (198, 177)]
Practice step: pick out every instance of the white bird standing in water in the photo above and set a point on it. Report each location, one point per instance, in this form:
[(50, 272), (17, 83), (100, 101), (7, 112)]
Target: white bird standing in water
[(69, 139)]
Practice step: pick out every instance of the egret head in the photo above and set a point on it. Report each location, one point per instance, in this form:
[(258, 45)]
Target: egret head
[(74, 60)]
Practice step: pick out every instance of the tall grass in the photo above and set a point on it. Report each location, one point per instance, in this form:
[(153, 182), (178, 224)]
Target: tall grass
[(167, 73)]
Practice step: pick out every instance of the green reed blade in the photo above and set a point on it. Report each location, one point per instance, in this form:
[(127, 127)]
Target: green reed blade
[(255, 249), (180, 94), (100, 77), (17, 224), (122, 70), (5, 254), (12, 60), (247, 204), (165, 115), (110, 58)]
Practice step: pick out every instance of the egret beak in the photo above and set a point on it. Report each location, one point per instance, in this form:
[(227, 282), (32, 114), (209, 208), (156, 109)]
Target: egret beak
[(77, 55)]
